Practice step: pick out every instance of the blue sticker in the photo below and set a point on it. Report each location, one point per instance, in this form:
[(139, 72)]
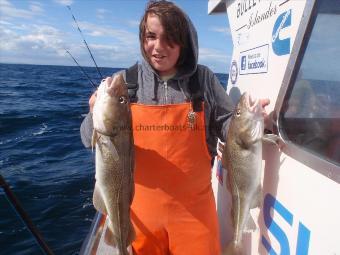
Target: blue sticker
[(255, 60), (243, 63), (233, 72), (270, 205), (281, 47)]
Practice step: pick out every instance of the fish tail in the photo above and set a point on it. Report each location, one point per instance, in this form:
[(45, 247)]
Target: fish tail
[(122, 250), (232, 249), (132, 234), (109, 237), (112, 240)]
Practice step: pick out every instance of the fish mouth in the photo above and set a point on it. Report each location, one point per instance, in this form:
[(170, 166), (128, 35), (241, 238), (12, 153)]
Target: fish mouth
[(253, 104), (110, 90)]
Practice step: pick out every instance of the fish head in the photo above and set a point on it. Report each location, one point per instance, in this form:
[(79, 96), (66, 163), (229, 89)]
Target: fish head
[(247, 121), (111, 109)]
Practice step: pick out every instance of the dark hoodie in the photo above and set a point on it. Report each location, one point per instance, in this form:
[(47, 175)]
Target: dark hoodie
[(153, 91)]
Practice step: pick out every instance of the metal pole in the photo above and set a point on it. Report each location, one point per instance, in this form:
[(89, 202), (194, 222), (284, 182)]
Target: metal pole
[(24, 216)]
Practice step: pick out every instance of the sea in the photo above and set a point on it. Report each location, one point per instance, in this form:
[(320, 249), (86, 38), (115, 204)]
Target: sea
[(42, 157)]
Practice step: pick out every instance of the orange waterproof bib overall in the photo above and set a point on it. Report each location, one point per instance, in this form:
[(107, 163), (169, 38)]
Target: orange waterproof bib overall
[(173, 210)]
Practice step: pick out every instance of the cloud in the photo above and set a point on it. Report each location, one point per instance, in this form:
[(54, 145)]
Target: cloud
[(5, 23), (36, 7), (102, 14), (64, 2), (216, 60), (7, 39), (119, 35), (36, 38), (105, 55), (44, 44), (9, 11), (133, 23), (212, 54), (222, 30), (114, 55)]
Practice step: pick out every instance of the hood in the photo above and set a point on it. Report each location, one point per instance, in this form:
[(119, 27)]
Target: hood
[(190, 65)]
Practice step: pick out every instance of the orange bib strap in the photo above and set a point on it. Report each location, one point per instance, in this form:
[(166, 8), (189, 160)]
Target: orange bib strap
[(173, 208)]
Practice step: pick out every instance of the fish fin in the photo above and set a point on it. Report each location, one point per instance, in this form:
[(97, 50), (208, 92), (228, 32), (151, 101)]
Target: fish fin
[(132, 234), (228, 184), (232, 249), (130, 250), (132, 157), (113, 149), (256, 201), (273, 139), (98, 201), (109, 238), (94, 140), (132, 170), (250, 226)]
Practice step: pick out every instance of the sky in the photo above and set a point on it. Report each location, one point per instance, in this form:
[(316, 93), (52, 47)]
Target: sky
[(40, 32)]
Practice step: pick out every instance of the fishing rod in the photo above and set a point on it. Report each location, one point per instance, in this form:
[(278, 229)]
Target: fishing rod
[(82, 69), (101, 76), (24, 216)]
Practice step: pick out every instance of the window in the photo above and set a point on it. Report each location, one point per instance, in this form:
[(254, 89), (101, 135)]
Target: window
[(310, 116)]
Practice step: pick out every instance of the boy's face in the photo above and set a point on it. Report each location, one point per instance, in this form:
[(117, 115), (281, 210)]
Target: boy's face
[(161, 55)]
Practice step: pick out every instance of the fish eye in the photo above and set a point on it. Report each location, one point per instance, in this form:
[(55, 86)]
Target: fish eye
[(122, 100), (238, 112)]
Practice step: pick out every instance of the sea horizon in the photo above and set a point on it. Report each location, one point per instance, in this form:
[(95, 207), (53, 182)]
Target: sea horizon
[(106, 67)]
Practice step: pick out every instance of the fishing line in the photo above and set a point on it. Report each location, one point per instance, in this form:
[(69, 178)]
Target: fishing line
[(101, 76), (81, 69)]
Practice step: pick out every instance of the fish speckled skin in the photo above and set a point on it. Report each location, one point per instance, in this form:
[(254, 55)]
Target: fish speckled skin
[(242, 157), (112, 137)]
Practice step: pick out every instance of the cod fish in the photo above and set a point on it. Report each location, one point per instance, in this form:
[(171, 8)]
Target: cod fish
[(113, 140), (242, 157)]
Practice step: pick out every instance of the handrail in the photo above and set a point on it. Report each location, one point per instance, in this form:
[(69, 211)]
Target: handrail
[(24, 216)]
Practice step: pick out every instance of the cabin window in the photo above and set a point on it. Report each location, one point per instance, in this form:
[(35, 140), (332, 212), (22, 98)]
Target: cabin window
[(310, 116)]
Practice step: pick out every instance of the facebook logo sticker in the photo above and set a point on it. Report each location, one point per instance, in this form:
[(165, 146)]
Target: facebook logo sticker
[(243, 63)]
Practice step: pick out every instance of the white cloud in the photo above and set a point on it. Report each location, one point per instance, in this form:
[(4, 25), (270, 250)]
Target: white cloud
[(104, 56), (222, 30), (36, 7), (64, 2), (7, 39), (9, 11), (36, 38), (216, 60), (102, 14), (123, 36), (133, 23), (45, 44), (212, 54), (5, 23)]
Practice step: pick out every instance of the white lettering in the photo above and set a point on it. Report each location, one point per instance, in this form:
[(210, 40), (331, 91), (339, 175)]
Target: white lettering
[(254, 20), (285, 17)]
